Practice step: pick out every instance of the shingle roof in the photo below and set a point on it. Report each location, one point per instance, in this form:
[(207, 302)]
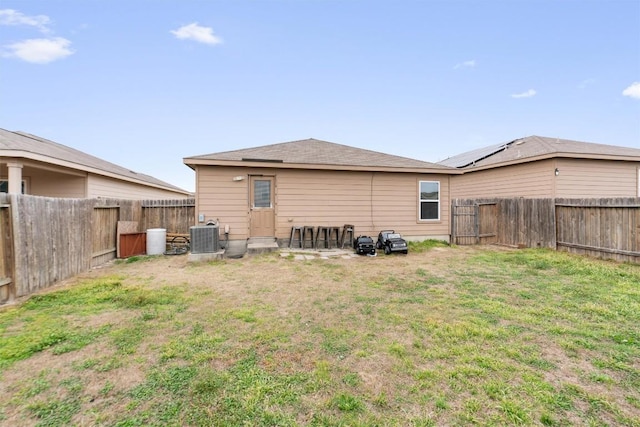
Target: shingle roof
[(315, 152), (538, 146), (27, 143)]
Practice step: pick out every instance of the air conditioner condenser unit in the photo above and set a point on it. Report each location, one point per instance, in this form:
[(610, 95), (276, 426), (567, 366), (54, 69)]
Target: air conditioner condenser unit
[(204, 239)]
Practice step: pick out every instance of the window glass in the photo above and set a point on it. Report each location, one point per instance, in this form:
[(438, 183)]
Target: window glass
[(429, 210), (429, 200), (261, 194), (429, 190)]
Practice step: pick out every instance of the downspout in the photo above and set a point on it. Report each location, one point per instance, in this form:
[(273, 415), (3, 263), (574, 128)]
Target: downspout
[(371, 202)]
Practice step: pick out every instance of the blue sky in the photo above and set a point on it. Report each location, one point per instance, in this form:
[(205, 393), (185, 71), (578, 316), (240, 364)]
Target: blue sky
[(144, 84)]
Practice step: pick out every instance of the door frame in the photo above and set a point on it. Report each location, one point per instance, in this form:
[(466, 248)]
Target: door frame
[(266, 214)]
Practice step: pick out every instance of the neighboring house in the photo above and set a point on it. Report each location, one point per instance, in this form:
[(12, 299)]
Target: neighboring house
[(547, 167), (264, 191), (37, 166)]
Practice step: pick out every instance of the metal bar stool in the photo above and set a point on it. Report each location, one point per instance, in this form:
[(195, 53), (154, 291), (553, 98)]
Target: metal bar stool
[(322, 236), (308, 231), (333, 231), (300, 239), (347, 231)]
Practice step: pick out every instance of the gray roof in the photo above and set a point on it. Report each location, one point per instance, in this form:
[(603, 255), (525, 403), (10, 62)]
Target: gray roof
[(315, 152), (27, 143), (534, 147)]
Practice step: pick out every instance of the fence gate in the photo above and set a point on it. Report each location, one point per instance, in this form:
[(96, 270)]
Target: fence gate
[(474, 224), (464, 224), (487, 223)]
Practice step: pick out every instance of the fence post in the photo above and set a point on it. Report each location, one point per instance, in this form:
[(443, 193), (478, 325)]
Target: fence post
[(453, 221)]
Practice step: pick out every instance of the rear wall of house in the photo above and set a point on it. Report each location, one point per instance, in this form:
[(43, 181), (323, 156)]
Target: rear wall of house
[(534, 179), (597, 178), (576, 178), (371, 201)]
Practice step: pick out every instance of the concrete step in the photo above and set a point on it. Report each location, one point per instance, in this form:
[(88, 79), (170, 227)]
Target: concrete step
[(258, 245)]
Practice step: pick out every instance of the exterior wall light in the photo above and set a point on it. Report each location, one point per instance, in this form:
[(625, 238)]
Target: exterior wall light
[(240, 178), (557, 172)]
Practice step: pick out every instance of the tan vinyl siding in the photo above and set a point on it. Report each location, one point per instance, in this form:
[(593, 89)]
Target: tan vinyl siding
[(523, 180), (52, 184), (596, 178), (100, 186), (219, 197), (369, 200)]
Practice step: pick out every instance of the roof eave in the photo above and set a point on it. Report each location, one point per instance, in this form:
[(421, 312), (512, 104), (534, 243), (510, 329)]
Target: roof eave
[(547, 156), (191, 162), (17, 154)]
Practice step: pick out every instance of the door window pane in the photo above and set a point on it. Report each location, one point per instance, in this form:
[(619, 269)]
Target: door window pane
[(261, 194)]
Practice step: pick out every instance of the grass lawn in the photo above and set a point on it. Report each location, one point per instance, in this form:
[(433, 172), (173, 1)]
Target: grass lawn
[(442, 336)]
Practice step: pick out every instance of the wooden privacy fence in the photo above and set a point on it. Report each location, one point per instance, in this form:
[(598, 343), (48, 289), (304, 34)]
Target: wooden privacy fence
[(605, 228), (44, 240)]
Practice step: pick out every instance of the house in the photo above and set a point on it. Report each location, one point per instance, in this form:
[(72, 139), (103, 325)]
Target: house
[(37, 166), (267, 190), (538, 167)]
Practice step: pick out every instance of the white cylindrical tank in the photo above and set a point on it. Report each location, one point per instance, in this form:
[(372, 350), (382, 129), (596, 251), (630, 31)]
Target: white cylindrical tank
[(156, 241)]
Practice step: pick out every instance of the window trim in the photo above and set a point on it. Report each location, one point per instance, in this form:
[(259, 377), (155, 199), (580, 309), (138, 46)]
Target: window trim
[(420, 201)]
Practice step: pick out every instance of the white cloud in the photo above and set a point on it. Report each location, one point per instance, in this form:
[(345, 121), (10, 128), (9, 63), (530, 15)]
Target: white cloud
[(13, 17), (465, 64), (197, 33), (632, 91), (40, 51), (527, 94)]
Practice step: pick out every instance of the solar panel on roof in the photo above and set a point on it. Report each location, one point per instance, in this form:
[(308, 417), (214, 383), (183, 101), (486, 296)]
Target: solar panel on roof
[(470, 157)]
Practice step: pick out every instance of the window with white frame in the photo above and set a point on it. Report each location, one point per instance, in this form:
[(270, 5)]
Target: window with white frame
[(4, 186), (429, 199)]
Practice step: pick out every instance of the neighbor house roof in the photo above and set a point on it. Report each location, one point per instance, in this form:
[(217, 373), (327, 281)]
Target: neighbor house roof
[(27, 146), (537, 148), (316, 154)]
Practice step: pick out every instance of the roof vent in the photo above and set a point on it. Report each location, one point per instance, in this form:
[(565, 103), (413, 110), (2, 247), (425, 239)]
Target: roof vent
[(248, 159)]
